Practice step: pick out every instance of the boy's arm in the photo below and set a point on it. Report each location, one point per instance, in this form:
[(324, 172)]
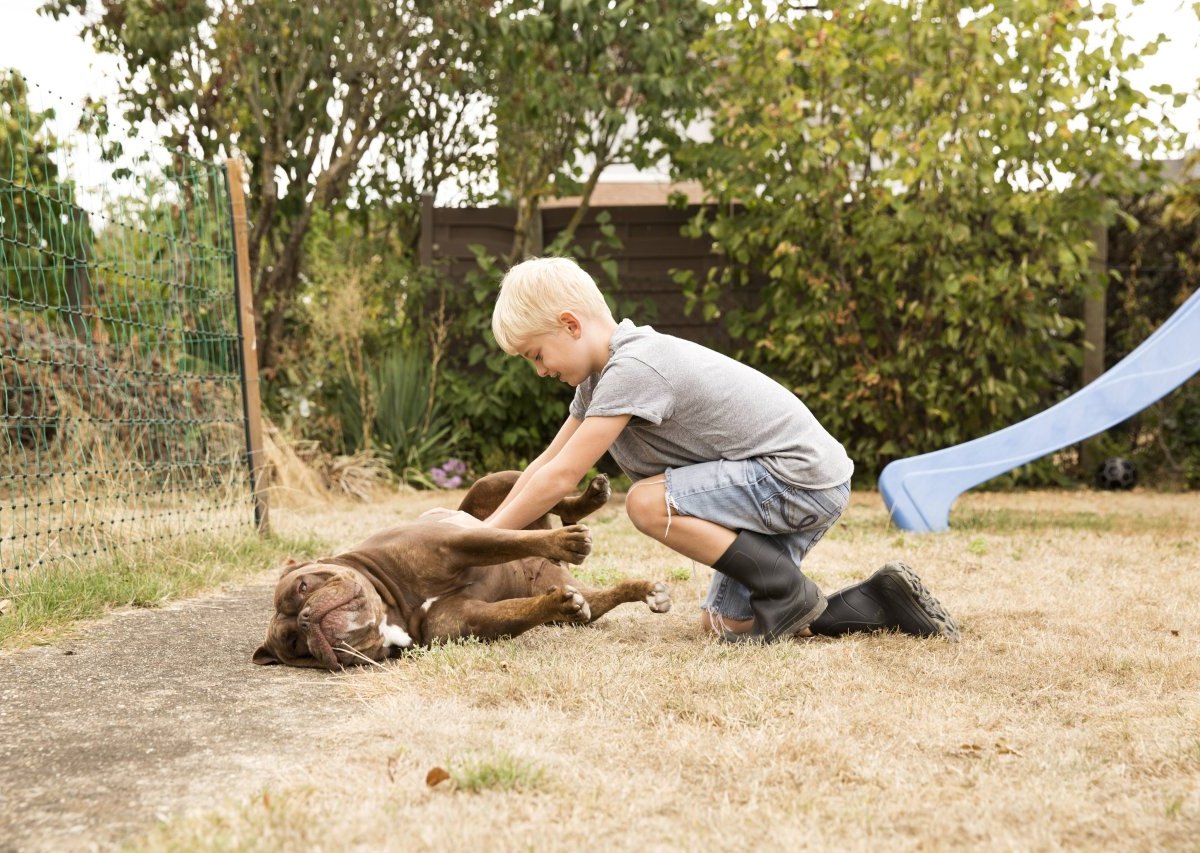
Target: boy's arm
[(559, 475), (570, 425)]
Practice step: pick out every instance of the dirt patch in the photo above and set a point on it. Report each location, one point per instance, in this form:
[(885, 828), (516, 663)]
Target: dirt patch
[(149, 715)]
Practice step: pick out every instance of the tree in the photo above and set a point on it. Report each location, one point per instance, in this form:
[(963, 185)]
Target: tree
[(42, 231), (913, 184), (1156, 266), (578, 87), (313, 96)]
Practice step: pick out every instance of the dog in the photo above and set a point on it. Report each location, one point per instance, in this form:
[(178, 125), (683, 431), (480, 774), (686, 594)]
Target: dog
[(441, 579)]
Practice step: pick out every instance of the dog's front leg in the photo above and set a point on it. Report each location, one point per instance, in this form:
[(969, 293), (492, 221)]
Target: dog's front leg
[(460, 547), (456, 617)]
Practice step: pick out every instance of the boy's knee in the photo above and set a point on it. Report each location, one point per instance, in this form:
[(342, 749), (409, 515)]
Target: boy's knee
[(646, 508)]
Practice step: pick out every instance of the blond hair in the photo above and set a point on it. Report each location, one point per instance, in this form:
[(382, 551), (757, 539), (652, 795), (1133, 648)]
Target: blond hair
[(535, 293)]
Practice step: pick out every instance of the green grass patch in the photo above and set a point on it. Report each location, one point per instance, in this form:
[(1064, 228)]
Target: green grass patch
[(597, 574), (680, 573), (43, 603), (1010, 520), (499, 771)]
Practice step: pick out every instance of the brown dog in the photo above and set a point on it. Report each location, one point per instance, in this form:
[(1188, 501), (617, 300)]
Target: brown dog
[(430, 581)]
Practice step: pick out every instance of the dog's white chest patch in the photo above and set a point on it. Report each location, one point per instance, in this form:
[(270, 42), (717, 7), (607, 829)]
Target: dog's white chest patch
[(394, 635)]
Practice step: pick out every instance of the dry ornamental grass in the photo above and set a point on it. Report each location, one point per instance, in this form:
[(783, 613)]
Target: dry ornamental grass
[(1068, 716)]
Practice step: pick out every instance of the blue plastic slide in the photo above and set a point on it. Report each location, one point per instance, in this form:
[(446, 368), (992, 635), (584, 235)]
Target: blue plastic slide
[(920, 490)]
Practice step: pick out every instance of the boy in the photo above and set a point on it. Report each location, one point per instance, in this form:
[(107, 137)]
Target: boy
[(729, 467)]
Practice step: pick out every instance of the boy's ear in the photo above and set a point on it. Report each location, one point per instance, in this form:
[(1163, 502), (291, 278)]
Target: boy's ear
[(571, 323)]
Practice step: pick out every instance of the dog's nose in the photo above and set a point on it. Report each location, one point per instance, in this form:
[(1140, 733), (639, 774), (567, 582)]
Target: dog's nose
[(304, 618)]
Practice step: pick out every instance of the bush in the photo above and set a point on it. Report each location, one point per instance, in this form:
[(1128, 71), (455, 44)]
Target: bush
[(1155, 258), (916, 230)]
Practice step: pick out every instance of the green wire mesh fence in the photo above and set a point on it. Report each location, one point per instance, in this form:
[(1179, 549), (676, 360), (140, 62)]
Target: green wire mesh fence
[(122, 418)]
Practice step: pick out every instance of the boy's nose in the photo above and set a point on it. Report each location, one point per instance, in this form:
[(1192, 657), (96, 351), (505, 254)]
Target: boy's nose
[(542, 371)]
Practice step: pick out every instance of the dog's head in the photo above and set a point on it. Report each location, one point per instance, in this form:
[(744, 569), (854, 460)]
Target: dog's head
[(327, 616)]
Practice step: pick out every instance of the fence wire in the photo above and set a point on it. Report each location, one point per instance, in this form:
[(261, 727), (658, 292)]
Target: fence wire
[(120, 390)]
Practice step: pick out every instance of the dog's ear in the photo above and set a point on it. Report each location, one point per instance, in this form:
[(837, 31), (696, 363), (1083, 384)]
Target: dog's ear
[(264, 657), (291, 563)]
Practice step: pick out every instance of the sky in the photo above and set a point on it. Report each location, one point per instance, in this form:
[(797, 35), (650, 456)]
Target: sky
[(64, 70)]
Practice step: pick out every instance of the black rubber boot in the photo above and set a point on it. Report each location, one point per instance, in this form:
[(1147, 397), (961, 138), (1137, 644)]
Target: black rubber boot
[(783, 600), (891, 599)]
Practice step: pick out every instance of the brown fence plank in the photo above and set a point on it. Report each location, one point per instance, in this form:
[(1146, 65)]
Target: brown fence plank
[(251, 399)]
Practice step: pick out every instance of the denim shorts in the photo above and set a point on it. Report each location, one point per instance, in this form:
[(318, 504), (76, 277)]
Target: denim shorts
[(744, 495)]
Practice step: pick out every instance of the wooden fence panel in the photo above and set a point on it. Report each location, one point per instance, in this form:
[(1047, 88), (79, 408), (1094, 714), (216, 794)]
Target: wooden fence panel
[(652, 249)]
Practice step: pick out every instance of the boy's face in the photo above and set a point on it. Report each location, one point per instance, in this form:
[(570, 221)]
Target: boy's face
[(561, 354)]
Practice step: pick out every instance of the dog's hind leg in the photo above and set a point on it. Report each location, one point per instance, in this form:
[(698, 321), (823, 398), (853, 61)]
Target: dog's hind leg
[(487, 493), (654, 594), (594, 496)]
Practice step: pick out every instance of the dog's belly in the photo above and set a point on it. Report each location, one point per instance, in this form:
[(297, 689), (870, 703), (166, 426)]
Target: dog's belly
[(515, 579)]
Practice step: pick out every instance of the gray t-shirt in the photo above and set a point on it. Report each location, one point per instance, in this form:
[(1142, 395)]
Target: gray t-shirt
[(691, 404)]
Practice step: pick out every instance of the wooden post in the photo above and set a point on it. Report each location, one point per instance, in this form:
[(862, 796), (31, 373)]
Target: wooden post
[(427, 247), (251, 400), (1095, 308), (77, 274), (1095, 312), (537, 243)]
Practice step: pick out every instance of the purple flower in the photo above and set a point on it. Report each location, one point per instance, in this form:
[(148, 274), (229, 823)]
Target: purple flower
[(449, 475)]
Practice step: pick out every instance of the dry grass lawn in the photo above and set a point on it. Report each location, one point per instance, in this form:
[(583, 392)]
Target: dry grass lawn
[(1068, 716)]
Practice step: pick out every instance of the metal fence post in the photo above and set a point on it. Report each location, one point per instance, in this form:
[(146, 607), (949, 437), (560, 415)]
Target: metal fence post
[(251, 400)]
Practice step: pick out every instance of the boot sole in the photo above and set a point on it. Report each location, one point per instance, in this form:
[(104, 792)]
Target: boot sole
[(918, 600), (807, 619), (799, 625)]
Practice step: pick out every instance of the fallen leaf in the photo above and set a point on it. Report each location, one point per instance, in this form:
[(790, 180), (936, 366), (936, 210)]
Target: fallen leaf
[(1004, 749), (436, 776), (1174, 631), (5, 603), (391, 768)]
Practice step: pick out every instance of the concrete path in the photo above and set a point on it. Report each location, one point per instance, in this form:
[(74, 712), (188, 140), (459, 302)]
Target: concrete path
[(149, 715)]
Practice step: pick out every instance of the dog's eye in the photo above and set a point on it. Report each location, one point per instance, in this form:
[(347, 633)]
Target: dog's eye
[(303, 587)]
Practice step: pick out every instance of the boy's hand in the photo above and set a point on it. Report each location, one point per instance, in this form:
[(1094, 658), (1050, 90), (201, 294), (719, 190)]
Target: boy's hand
[(558, 477)]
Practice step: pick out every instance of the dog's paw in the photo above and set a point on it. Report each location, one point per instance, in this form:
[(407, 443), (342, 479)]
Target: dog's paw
[(571, 605), (571, 544), (659, 598), (598, 491)]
